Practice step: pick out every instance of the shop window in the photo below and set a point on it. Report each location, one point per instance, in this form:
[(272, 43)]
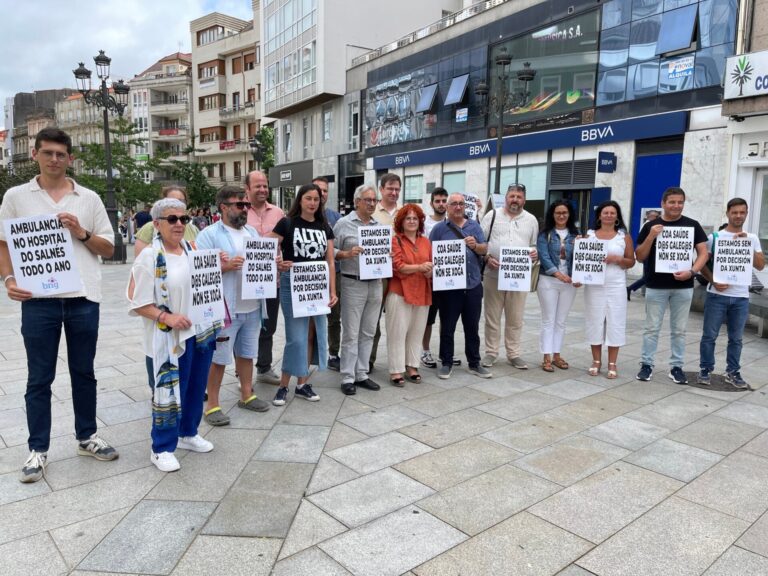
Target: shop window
[(642, 80), (676, 29), (508, 176), (643, 37), (611, 86), (614, 47), (414, 189), (455, 182)]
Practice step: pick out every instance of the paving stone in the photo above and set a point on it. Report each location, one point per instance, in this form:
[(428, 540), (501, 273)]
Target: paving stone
[(730, 487), (292, 443), (454, 427), (11, 490), (342, 435), (487, 499), (376, 453), (521, 545), (522, 405), (678, 410), (391, 395), (329, 473), (76, 540), (32, 556), (716, 434), (321, 413), (363, 499), (676, 538), (756, 538), (596, 409), (352, 407), (448, 466), (758, 396), (738, 561), (643, 392), (72, 505), (746, 412), (262, 502), (571, 459), (627, 433), (12, 401), (226, 555), (571, 389), (12, 458), (532, 433), (18, 435), (393, 544), (384, 420), (310, 527), (503, 387), (600, 505), (249, 420), (574, 570), (124, 412), (196, 481), (151, 538), (12, 418), (450, 401), (674, 459), (758, 446), (310, 562)]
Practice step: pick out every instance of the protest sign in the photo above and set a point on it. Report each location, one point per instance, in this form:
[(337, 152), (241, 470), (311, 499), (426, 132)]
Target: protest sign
[(260, 269), (515, 269), (674, 249), (42, 255), (589, 261), (449, 259), (733, 261), (207, 289), (375, 260), (310, 289), (498, 200), (470, 206)]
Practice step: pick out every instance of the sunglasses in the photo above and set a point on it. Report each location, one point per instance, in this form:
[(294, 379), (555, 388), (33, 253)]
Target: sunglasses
[(172, 219), (516, 187), (240, 205)]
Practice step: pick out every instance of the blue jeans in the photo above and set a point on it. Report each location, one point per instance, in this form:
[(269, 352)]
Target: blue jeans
[(719, 309), (296, 352), (656, 302), (466, 304), (41, 323)]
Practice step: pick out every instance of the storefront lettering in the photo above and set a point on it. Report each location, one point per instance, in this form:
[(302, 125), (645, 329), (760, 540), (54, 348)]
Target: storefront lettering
[(404, 159), (596, 133), (479, 149)]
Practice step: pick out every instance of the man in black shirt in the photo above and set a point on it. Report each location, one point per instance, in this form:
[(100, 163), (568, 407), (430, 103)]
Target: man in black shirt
[(668, 289)]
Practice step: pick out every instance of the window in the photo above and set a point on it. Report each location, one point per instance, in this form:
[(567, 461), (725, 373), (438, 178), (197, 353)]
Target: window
[(223, 171), (236, 99), (287, 137), (258, 54), (676, 29), (237, 170), (210, 35), (616, 12), (251, 95), (212, 102), (427, 98), (676, 74), (209, 170), (414, 189), (327, 122), (644, 8), (614, 47), (353, 126), (249, 60), (306, 129), (454, 181), (237, 65), (213, 134), (457, 90), (210, 69), (252, 129), (642, 80), (236, 132), (717, 22), (642, 39)]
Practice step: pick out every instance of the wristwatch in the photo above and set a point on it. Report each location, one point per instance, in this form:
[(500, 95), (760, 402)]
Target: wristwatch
[(87, 237)]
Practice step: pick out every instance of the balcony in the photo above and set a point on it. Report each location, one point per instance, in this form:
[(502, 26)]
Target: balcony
[(21, 158), (245, 111), (166, 107), (164, 81), (171, 134), (239, 145)]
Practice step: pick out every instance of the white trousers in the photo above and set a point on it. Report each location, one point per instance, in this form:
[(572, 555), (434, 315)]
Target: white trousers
[(555, 300)]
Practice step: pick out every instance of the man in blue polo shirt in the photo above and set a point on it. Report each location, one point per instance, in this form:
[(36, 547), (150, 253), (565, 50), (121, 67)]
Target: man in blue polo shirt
[(466, 303)]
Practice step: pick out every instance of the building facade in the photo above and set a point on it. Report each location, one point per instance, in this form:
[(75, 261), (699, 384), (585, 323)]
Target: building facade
[(82, 121), (226, 72)]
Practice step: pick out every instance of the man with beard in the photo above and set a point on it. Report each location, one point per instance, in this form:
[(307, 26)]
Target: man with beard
[(242, 335), (507, 226), (439, 203), (264, 216)]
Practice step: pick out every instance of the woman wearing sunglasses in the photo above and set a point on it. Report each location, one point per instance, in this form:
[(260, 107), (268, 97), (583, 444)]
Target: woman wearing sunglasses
[(178, 352), (145, 234)]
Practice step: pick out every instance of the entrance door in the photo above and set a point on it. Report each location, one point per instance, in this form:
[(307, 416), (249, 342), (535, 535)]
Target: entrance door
[(579, 201), (759, 215)]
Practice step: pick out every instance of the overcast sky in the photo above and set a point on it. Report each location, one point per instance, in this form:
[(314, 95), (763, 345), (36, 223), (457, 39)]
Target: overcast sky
[(42, 41)]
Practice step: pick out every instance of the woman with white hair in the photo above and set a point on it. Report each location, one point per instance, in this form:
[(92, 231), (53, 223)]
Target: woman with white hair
[(180, 353)]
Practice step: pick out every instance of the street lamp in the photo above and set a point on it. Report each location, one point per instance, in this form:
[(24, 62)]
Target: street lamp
[(503, 100), (101, 98), (256, 151)]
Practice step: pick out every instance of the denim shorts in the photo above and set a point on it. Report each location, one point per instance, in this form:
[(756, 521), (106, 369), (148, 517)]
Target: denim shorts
[(240, 337)]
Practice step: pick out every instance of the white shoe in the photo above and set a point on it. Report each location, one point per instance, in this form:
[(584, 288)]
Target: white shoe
[(194, 443), (165, 461)]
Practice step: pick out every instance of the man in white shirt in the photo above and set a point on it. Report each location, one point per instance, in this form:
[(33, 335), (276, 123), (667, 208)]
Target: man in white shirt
[(241, 337), (727, 303), (82, 212), (507, 226)]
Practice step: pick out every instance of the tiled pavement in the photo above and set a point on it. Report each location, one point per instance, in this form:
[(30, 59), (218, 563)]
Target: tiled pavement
[(527, 473)]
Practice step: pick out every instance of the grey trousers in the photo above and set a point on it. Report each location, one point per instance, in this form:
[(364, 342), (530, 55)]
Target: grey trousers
[(359, 317)]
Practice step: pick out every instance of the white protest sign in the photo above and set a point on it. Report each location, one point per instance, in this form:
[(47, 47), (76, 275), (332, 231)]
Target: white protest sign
[(449, 259), (207, 289), (310, 289), (260, 269), (674, 249), (732, 261), (515, 269), (588, 261), (498, 200), (42, 255), (375, 261), (470, 206)]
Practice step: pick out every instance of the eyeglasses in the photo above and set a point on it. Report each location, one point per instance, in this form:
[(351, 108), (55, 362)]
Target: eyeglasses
[(455, 204), (240, 205), (173, 219), (48, 154), (368, 200)]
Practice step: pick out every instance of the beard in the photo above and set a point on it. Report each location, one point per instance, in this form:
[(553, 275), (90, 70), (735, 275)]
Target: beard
[(238, 221)]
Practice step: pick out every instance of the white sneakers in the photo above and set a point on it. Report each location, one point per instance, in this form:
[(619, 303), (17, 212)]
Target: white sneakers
[(195, 443), (167, 462)]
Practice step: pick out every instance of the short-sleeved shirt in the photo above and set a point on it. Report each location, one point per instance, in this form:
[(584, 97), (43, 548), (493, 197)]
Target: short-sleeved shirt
[(447, 230), (665, 281), (303, 241), (732, 290), (142, 218), (265, 220)]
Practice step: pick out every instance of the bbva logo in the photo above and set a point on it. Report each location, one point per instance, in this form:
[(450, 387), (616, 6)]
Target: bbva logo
[(596, 133)]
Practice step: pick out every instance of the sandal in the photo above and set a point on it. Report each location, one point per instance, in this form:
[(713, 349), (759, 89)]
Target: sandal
[(612, 374), (560, 363), (215, 417), (594, 370), (253, 404), (399, 381), (546, 365), (415, 377)]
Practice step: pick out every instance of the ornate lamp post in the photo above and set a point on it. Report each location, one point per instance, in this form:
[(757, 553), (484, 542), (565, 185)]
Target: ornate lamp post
[(503, 100), (256, 151), (101, 98)]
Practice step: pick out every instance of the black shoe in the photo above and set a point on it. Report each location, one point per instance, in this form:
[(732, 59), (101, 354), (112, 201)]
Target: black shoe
[(349, 388), (368, 384), (334, 363)]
